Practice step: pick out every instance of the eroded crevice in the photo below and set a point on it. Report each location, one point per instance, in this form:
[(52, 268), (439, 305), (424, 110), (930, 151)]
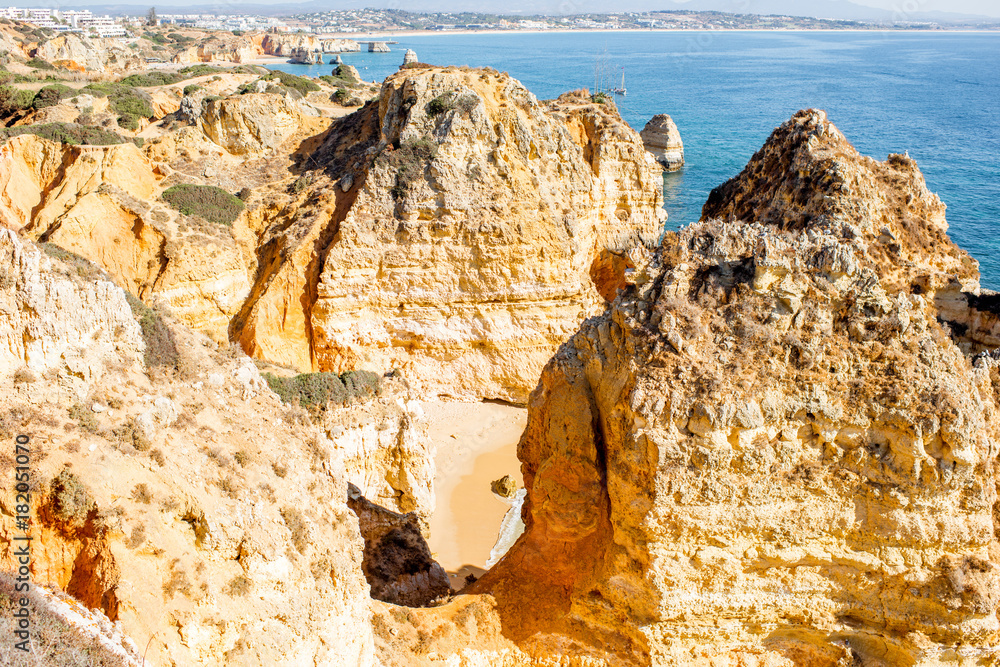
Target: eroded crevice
[(397, 562)]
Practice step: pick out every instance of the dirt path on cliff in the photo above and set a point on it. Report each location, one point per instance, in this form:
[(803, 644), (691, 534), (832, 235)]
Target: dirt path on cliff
[(476, 444)]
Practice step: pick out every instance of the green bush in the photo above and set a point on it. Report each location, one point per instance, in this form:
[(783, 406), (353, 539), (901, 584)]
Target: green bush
[(128, 121), (10, 77), (52, 95), (341, 76), (361, 383), (300, 84), (84, 418), (409, 160), (65, 133), (599, 98), (206, 201), (153, 78), (38, 63), (13, 100), (161, 348), (69, 501), (317, 390), (125, 100), (441, 104), (191, 88)]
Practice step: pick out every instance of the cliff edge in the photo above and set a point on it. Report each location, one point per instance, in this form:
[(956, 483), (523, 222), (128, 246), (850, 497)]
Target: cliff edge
[(770, 450)]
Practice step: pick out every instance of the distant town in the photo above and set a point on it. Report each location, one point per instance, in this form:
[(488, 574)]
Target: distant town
[(347, 22)]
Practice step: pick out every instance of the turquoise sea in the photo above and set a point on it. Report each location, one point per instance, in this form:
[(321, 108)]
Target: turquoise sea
[(934, 95)]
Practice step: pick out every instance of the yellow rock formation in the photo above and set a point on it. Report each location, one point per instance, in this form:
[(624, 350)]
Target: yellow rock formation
[(457, 240), (769, 451)]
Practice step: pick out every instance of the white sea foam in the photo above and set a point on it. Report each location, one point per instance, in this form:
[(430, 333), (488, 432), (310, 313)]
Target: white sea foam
[(510, 529)]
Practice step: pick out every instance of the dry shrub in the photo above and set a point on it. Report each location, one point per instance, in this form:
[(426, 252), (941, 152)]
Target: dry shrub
[(142, 494), (238, 586), (296, 523)]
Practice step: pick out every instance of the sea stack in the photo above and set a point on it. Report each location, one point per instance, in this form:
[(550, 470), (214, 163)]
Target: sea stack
[(409, 57), (337, 60), (663, 140)]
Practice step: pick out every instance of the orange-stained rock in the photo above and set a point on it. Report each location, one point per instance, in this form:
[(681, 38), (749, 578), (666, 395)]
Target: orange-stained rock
[(770, 450)]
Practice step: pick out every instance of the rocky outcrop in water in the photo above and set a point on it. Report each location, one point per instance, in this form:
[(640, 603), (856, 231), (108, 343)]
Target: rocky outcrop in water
[(409, 57), (770, 450), (662, 138)]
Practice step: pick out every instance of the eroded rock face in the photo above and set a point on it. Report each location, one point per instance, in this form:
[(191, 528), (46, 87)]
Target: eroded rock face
[(457, 241), (250, 125), (662, 138), (38, 337), (89, 53), (223, 531), (769, 450)]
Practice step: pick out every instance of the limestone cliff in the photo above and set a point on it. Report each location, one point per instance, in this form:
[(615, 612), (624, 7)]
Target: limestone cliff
[(450, 233), (77, 51), (242, 49), (193, 510), (285, 44), (769, 451)]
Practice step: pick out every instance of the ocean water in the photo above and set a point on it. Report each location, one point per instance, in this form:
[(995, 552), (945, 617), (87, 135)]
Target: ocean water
[(934, 95)]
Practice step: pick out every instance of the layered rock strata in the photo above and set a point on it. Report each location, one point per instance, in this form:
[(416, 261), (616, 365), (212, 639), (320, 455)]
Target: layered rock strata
[(456, 242), (769, 450), (78, 52), (662, 138), (220, 536)]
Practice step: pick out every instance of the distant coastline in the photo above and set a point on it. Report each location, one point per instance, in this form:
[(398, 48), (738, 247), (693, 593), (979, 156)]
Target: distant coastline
[(426, 33)]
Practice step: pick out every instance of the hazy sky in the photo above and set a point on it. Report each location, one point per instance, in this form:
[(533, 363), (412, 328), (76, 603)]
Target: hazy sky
[(986, 7)]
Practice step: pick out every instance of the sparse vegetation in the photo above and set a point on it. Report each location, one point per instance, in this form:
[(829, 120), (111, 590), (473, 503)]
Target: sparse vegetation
[(296, 523), (84, 268), (52, 95), (142, 494), (317, 390), (282, 82), (84, 418), (69, 501), (238, 586), (64, 133), (38, 63), (409, 160), (128, 102), (599, 98), (161, 349), (192, 88), (206, 201), (55, 639), (158, 457), (441, 104)]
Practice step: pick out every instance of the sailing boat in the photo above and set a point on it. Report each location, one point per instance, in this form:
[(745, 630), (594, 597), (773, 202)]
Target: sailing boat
[(621, 89)]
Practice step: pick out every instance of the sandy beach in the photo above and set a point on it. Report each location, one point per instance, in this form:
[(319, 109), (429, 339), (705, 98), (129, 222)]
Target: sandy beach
[(476, 444)]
